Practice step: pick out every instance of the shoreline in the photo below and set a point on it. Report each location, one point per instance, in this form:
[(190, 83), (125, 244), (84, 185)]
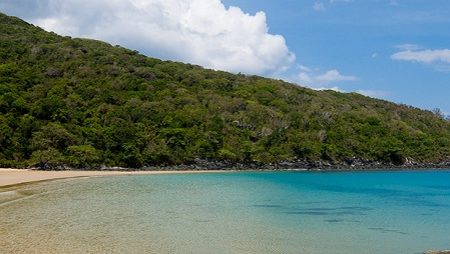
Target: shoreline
[(10, 177)]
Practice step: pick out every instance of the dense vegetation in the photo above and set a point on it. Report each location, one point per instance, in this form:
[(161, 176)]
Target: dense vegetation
[(84, 103)]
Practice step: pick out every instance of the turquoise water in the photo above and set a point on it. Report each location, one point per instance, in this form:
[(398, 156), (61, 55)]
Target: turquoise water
[(248, 212)]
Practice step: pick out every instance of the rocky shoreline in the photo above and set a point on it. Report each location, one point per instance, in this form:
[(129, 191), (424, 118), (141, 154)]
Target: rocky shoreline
[(355, 164), (350, 165)]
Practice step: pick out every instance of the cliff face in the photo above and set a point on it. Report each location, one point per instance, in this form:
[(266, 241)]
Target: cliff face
[(84, 103)]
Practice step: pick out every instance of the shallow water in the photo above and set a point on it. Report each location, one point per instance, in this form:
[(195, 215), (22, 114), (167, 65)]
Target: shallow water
[(248, 212)]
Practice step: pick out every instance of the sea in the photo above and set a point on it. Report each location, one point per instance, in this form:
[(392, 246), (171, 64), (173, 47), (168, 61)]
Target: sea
[(381, 212)]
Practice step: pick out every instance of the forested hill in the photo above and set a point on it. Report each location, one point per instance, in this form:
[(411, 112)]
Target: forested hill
[(84, 103)]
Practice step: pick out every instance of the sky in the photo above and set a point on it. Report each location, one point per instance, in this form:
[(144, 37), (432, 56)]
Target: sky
[(398, 50)]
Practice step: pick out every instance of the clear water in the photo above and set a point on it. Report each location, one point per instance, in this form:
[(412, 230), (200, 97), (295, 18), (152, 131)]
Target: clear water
[(250, 212)]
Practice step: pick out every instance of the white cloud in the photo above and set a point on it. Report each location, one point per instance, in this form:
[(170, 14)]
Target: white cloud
[(312, 78), (333, 88), (427, 56), (305, 78), (370, 93), (332, 76), (203, 32), (374, 55)]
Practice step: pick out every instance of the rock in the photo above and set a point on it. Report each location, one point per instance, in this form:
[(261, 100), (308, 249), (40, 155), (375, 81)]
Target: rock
[(438, 252)]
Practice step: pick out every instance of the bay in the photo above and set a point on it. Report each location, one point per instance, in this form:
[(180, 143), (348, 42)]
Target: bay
[(231, 212)]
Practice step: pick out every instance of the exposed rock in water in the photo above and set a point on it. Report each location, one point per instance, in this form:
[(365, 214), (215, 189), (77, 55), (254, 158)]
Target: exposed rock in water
[(438, 252)]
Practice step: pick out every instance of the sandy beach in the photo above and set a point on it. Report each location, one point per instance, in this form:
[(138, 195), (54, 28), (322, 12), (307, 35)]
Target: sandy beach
[(9, 176)]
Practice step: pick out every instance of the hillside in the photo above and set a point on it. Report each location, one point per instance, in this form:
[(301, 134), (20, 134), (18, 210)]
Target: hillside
[(84, 103)]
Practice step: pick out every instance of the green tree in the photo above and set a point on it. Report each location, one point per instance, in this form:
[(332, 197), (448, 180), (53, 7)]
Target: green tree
[(82, 156)]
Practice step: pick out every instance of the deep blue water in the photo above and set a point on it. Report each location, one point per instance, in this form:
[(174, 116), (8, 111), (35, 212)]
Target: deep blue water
[(244, 212)]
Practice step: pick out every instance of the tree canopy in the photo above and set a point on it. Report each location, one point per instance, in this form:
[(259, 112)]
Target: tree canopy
[(84, 103)]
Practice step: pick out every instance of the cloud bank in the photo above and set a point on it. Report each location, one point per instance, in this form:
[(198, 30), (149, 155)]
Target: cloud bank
[(202, 32)]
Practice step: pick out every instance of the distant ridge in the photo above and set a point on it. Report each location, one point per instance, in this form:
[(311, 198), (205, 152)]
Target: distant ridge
[(86, 104)]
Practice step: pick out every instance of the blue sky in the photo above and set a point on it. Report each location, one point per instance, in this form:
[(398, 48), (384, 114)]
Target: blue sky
[(397, 50), (359, 38)]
